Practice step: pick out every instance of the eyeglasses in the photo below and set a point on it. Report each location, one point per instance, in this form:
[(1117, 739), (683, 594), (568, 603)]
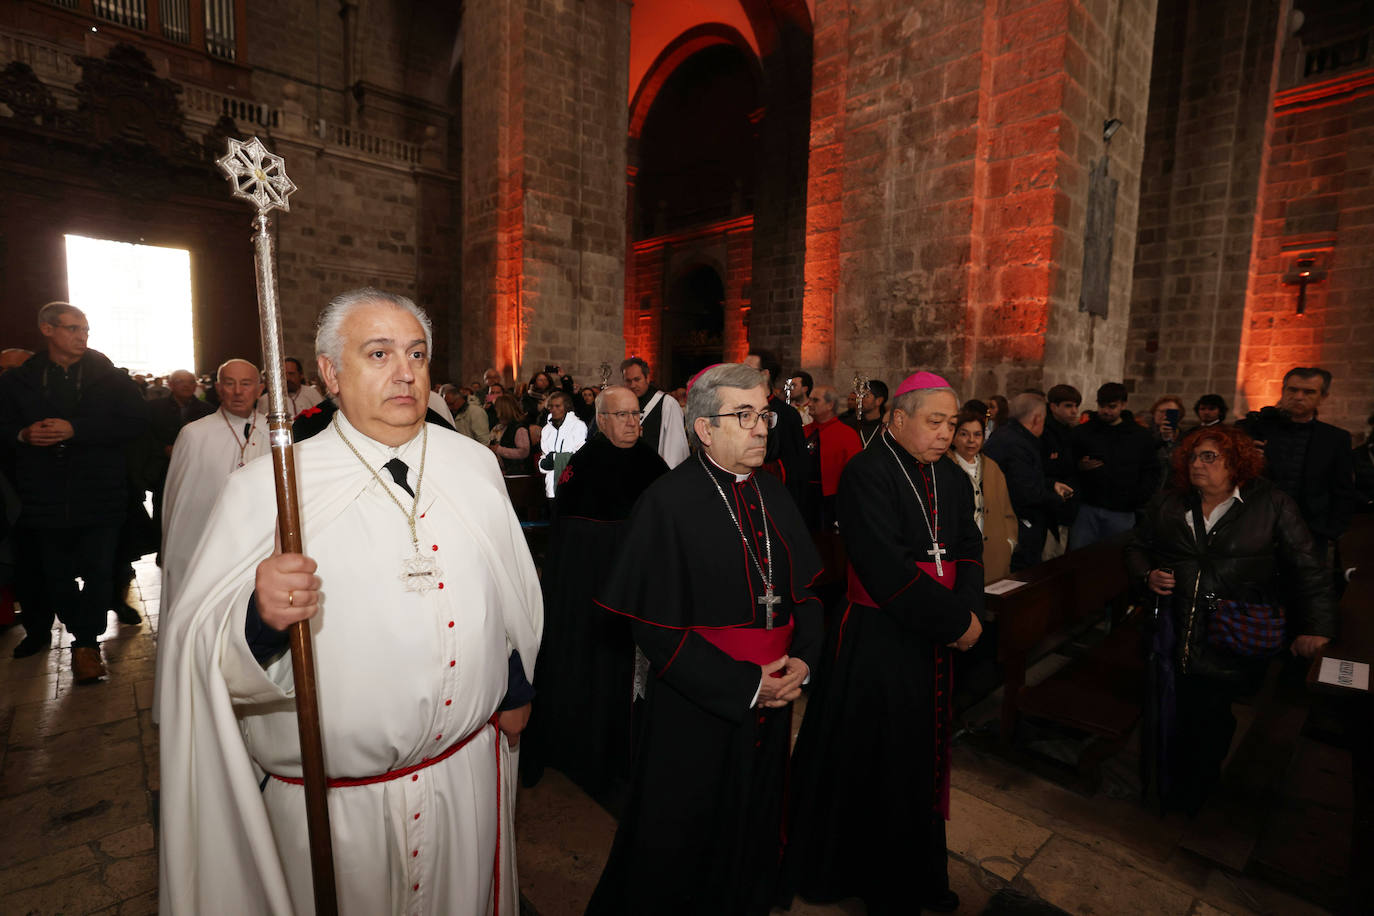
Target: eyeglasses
[(621, 415), (1206, 457), (748, 419), (75, 328)]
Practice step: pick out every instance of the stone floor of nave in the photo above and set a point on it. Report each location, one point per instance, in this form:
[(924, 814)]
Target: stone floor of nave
[(79, 781)]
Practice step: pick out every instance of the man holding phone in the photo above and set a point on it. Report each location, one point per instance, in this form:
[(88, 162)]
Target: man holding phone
[(1117, 469)]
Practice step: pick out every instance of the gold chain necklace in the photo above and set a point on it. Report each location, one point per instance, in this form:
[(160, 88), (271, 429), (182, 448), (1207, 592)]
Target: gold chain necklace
[(419, 573)]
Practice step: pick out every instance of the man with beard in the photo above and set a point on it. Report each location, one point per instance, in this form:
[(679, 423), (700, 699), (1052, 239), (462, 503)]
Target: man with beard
[(299, 396), (715, 578), (871, 770), (580, 723), (660, 417)]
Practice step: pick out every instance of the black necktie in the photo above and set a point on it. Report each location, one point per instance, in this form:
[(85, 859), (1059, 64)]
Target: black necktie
[(398, 469), (247, 431)]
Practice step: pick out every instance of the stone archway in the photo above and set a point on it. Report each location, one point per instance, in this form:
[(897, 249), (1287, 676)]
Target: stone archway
[(693, 324)]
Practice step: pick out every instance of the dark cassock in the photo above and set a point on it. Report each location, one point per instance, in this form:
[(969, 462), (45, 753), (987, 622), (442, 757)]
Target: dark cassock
[(580, 723), (702, 828), (871, 769)]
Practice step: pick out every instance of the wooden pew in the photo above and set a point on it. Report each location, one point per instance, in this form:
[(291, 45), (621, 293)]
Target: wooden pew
[(1100, 694)]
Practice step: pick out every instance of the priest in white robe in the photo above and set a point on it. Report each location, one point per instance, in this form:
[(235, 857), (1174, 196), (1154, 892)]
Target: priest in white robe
[(426, 615), (206, 452)]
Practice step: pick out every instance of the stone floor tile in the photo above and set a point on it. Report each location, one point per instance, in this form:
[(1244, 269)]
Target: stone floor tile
[(143, 693), (1081, 880), (132, 876), (79, 893), (40, 761), (1241, 896), (18, 691), (142, 905), (990, 836), (125, 843), (564, 839), (1202, 908), (44, 869), (52, 818), (93, 704)]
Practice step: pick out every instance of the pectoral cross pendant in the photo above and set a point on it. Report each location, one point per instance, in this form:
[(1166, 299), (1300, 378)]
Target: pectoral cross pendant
[(937, 552), (768, 600), (420, 574)]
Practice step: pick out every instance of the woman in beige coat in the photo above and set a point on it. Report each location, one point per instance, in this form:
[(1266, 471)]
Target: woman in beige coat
[(991, 501)]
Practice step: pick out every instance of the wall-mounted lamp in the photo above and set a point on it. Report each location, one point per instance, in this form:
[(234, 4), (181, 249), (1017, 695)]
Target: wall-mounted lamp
[(1109, 128)]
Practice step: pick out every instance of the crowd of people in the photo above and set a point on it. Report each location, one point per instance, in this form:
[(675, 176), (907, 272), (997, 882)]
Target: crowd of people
[(713, 550)]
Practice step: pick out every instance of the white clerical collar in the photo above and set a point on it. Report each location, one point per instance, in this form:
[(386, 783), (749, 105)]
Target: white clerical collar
[(369, 446), (971, 467), (739, 478)]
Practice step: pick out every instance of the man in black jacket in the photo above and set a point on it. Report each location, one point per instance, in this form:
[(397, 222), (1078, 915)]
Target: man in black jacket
[(1056, 445), (1035, 498), (1117, 469), (1309, 460), (67, 415)]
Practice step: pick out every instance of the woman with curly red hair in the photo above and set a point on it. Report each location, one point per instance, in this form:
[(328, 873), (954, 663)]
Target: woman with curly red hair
[(1238, 578)]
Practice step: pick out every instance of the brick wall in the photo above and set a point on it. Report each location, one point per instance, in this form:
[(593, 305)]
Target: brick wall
[(544, 115), (950, 146), (1317, 200), (1214, 74)]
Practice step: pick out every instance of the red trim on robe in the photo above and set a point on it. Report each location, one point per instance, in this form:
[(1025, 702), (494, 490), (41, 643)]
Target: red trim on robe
[(680, 643)]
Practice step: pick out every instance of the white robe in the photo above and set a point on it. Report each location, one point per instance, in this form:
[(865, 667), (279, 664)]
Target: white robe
[(672, 432), (401, 676), (205, 453)]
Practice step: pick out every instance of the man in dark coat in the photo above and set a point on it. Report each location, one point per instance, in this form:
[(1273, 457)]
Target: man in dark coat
[(580, 722), (68, 414), (1056, 445), (786, 458), (871, 770), (1309, 460), (1118, 470), (715, 578), (1035, 498)]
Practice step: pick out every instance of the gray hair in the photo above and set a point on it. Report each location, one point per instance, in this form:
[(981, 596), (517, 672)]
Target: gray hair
[(826, 393), (329, 332), (1025, 406), (704, 398), (52, 312), (908, 402)]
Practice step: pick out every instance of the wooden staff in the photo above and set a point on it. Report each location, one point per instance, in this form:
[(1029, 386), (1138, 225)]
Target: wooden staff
[(260, 178)]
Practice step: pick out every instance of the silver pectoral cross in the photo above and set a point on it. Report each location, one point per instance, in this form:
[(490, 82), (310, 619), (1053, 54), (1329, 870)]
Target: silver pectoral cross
[(768, 600), (937, 552)]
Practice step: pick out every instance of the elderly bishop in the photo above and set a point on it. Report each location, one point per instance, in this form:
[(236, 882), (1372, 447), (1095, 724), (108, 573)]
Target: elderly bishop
[(426, 616), (871, 771)]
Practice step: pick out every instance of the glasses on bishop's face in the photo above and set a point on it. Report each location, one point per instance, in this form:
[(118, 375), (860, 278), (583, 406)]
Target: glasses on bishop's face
[(623, 416), (1206, 457), (748, 419)]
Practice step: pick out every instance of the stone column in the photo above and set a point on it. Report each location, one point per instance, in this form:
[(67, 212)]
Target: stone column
[(544, 159)]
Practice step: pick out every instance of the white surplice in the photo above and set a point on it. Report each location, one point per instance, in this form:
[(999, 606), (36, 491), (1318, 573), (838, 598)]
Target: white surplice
[(206, 452), (401, 677)]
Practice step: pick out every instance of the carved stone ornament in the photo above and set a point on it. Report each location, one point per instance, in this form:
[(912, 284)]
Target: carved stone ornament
[(24, 93)]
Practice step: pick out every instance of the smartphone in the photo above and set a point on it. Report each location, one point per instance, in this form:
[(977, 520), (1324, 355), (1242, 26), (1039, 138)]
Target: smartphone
[(1171, 416)]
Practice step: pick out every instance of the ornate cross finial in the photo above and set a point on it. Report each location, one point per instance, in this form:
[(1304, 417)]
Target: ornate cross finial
[(257, 175)]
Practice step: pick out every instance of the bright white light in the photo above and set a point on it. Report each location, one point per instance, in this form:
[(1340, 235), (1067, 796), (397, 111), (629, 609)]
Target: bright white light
[(137, 299)]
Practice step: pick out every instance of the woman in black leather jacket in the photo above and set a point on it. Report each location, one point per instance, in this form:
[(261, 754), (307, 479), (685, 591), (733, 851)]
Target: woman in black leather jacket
[(1252, 547)]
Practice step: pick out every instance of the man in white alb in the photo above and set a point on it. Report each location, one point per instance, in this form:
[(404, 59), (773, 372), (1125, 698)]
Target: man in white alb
[(660, 417), (426, 615), (206, 452)]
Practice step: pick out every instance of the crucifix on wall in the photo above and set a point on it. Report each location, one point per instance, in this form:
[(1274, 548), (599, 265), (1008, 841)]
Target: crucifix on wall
[(1304, 273)]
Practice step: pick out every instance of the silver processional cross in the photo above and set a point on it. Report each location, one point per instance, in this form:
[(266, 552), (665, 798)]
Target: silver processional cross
[(769, 600)]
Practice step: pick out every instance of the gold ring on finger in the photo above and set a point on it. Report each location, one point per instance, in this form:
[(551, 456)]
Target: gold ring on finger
[(291, 598)]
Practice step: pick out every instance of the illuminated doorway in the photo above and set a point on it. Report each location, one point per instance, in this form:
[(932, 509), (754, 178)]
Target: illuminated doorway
[(137, 299)]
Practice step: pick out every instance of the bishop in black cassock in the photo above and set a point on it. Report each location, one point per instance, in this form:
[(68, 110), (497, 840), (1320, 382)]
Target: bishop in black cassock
[(871, 770), (727, 655), (580, 723)]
